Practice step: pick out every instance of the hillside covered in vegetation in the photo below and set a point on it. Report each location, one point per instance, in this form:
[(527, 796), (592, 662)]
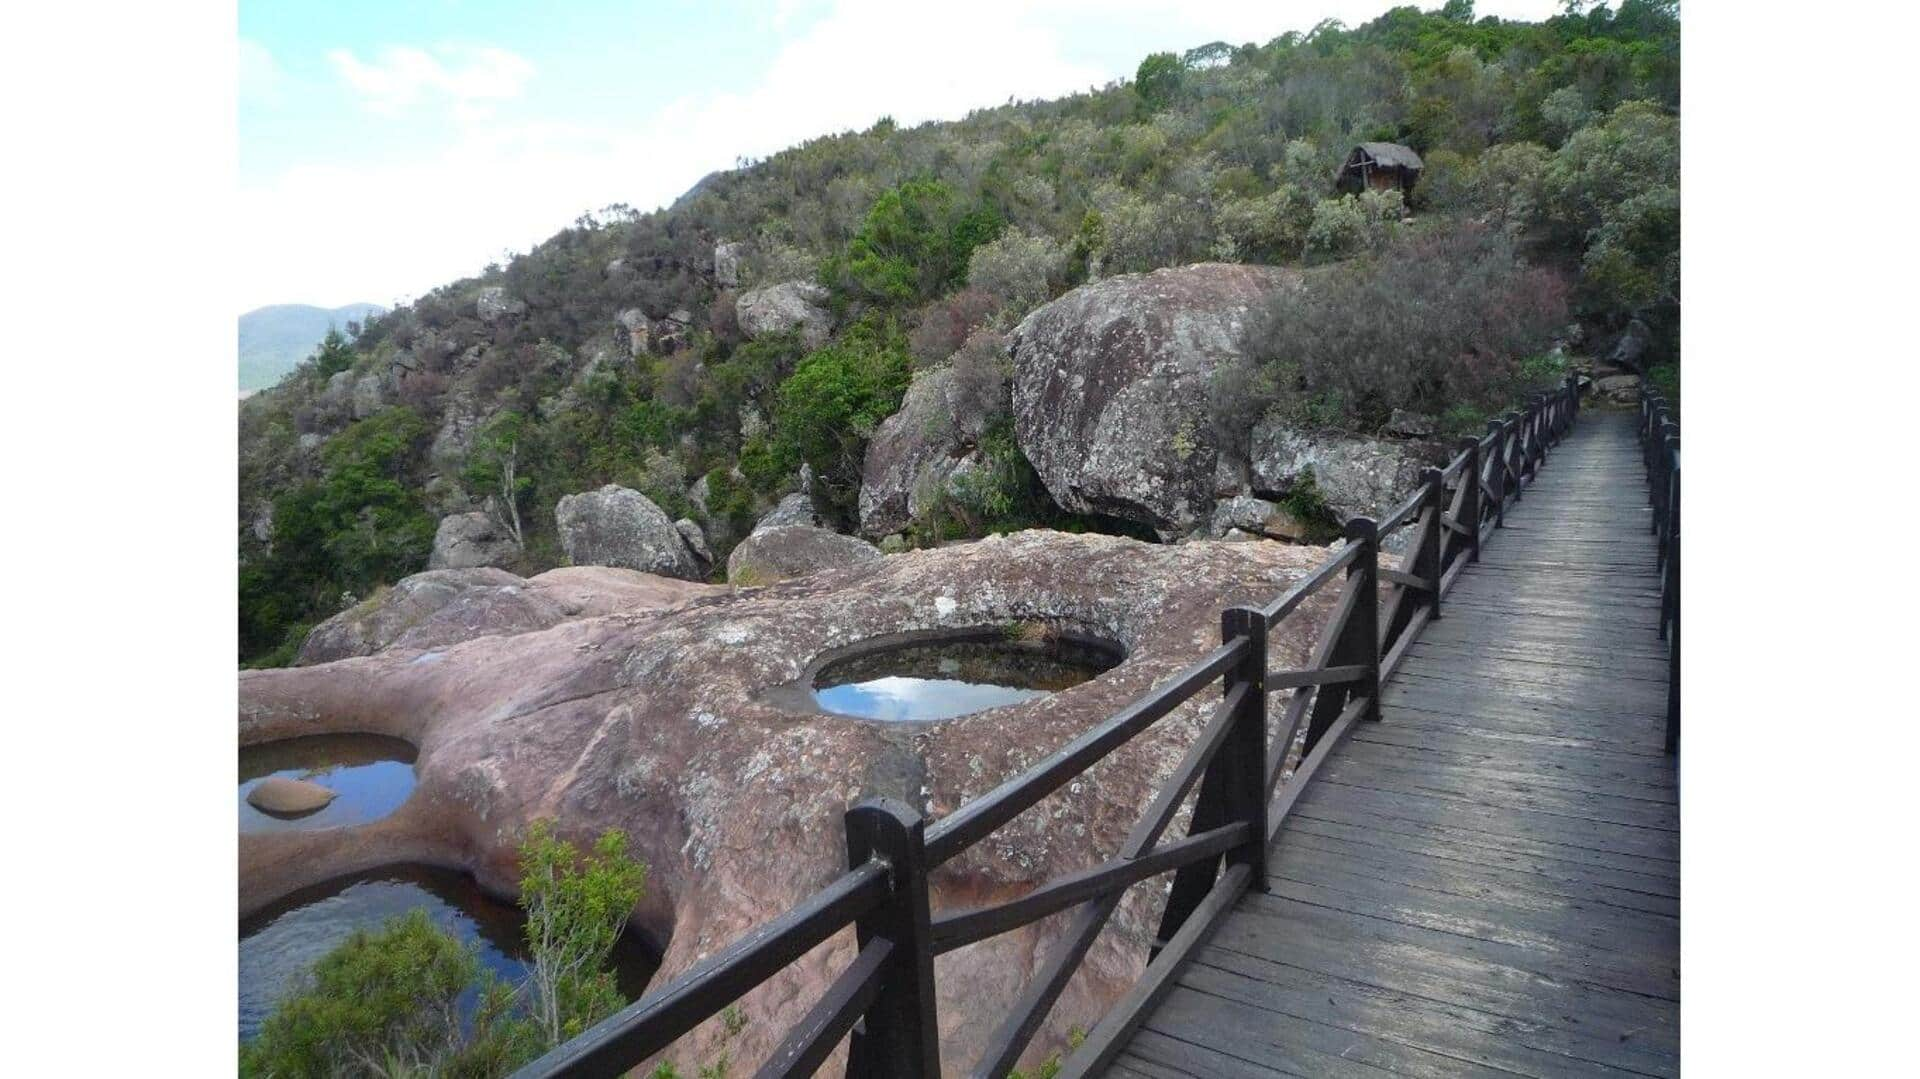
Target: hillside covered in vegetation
[(766, 323)]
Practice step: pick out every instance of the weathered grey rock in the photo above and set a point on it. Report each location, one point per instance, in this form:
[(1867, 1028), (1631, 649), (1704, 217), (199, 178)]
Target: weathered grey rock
[(795, 509), (310, 441), (1111, 388), (493, 304), (783, 551), (634, 323), (789, 305), (618, 526), (454, 440), (726, 263), (1354, 476), (367, 396), (915, 453), (661, 724), (1407, 424), (288, 796), (444, 607), (696, 540), (1245, 513), (1630, 348), (471, 540), (1621, 389)]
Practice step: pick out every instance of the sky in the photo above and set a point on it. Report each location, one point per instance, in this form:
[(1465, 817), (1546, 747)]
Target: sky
[(389, 148)]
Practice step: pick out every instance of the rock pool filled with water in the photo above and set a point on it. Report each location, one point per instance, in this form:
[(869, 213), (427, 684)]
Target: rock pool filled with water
[(941, 679)]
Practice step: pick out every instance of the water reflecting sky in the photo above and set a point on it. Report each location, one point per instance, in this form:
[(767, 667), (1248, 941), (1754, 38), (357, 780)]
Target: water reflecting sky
[(899, 698)]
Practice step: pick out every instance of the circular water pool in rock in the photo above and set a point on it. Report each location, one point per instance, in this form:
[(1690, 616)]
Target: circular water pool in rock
[(282, 942), (368, 774), (922, 679)]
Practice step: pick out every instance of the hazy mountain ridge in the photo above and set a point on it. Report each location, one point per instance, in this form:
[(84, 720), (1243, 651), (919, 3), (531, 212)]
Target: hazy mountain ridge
[(275, 338)]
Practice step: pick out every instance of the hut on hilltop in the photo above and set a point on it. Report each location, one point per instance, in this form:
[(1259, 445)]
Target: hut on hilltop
[(1379, 166)]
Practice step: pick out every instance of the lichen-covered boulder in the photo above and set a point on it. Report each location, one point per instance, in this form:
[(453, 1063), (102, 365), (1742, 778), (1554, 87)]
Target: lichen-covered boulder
[(471, 540), (789, 305), (443, 607), (795, 509), (618, 526), (494, 304), (726, 263), (783, 551), (1111, 388), (915, 453), (664, 724), (1256, 517), (696, 540), (1353, 476)]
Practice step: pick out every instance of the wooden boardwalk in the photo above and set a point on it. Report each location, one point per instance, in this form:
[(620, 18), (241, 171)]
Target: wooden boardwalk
[(1487, 881)]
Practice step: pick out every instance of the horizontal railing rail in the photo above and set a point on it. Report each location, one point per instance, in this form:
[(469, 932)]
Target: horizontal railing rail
[(882, 1004), (1660, 445)]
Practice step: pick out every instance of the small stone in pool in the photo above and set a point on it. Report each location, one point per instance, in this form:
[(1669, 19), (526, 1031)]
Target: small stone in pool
[(281, 794)]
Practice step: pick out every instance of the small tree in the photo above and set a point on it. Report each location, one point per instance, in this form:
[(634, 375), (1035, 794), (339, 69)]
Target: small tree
[(493, 466), (334, 355), (576, 908), (1158, 80)]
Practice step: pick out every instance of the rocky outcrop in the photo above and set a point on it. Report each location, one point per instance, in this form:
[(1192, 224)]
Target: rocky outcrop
[(915, 453), (696, 540), (1352, 476), (1252, 516), (471, 540), (368, 396), (795, 509), (1630, 347), (618, 526), (637, 329), (789, 305), (726, 263), (663, 724), (1111, 381), (493, 304), (783, 551), (287, 796), (444, 607)]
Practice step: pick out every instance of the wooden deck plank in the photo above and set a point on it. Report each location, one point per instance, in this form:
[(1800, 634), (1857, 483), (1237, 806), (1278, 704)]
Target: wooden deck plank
[(1486, 882)]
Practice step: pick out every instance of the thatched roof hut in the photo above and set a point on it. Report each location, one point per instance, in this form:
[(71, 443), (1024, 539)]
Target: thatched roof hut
[(1379, 166)]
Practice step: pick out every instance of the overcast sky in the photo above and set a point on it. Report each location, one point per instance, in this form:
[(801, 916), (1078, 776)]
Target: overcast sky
[(389, 148)]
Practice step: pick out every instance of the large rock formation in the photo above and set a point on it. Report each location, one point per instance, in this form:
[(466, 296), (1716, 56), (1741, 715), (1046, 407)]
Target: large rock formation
[(442, 607), (471, 540), (663, 724), (726, 263), (1110, 388), (783, 551), (916, 452), (794, 509), (618, 526), (789, 305), (1353, 476), (494, 304)]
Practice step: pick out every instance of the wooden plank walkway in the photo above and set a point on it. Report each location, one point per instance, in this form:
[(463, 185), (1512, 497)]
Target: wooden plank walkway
[(1487, 882)]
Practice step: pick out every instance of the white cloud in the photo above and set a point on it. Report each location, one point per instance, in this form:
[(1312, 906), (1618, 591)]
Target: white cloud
[(261, 80), (403, 77)]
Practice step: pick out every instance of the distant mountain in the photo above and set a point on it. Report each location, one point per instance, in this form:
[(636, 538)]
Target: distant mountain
[(273, 339)]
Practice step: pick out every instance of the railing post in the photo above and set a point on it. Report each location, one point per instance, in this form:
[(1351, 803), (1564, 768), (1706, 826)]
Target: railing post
[(1497, 470), (1670, 596), (1470, 497), (1427, 563), (1573, 399), (900, 1034), (1364, 574), (1244, 753), (1515, 475)]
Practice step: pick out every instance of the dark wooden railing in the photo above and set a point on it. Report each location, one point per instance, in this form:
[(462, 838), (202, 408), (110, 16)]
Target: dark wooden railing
[(885, 998), (1660, 443)]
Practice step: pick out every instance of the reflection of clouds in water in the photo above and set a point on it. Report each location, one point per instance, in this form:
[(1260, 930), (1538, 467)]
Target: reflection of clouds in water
[(898, 698)]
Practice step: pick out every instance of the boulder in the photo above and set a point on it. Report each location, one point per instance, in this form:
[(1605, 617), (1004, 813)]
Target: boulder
[(493, 304), (795, 509), (789, 305), (367, 396), (1256, 516), (783, 551), (1405, 424), (726, 263), (1111, 388), (664, 725), (696, 540), (1621, 389), (471, 540), (439, 608), (289, 797), (915, 452), (1630, 348), (618, 526), (637, 329), (1354, 476)]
